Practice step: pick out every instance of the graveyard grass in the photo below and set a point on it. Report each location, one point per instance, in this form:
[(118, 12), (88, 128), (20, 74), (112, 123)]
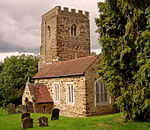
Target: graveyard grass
[(107, 122)]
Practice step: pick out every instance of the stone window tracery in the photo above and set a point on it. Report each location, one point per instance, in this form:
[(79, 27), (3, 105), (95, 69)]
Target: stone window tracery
[(102, 95), (56, 92), (70, 94)]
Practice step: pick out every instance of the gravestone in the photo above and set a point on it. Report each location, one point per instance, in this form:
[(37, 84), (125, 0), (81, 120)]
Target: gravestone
[(27, 123), (22, 108), (11, 108), (55, 114), (43, 121), (29, 106), (25, 115)]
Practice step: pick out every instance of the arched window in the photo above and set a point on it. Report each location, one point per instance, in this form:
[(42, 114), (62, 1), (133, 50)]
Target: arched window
[(73, 30), (101, 93), (49, 31), (56, 92)]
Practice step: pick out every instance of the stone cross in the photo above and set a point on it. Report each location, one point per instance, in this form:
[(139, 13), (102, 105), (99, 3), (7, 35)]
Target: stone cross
[(44, 108), (25, 115), (30, 107), (11, 108), (43, 121), (27, 123), (55, 114)]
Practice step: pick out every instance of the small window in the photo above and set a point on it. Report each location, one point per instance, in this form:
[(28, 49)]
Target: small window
[(56, 92), (70, 93), (102, 96), (73, 30), (49, 31)]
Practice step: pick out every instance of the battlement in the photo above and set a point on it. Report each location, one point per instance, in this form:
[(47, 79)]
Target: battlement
[(58, 10), (65, 35)]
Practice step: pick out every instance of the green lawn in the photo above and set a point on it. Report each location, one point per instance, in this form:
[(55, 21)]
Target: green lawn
[(108, 122)]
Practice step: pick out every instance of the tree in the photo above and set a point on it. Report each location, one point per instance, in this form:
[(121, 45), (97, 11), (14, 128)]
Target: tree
[(93, 53), (15, 72), (124, 28), (1, 66)]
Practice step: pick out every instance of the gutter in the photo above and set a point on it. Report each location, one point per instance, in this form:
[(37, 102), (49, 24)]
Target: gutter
[(47, 77)]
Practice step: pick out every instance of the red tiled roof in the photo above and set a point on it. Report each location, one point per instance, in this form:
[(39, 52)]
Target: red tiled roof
[(40, 92), (66, 68)]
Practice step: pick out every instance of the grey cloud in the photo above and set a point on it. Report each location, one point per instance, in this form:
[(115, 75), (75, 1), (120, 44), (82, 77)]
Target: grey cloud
[(20, 22), (8, 47)]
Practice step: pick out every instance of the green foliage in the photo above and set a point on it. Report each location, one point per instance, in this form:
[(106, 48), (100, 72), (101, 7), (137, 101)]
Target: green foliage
[(93, 54), (15, 72), (124, 28), (1, 66)]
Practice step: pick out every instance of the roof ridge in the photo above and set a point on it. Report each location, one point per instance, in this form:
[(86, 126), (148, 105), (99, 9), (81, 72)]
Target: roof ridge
[(75, 59), (66, 68)]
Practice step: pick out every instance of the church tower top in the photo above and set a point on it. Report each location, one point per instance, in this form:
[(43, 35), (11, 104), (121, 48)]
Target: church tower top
[(65, 35)]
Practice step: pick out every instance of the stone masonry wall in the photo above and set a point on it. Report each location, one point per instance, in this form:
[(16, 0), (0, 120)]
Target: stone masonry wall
[(91, 76), (38, 108), (48, 39), (70, 47), (59, 44), (27, 95), (77, 109)]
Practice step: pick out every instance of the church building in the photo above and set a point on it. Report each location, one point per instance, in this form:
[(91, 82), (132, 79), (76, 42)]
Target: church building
[(67, 77)]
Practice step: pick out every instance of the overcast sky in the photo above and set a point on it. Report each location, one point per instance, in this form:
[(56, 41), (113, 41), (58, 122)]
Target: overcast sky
[(21, 19)]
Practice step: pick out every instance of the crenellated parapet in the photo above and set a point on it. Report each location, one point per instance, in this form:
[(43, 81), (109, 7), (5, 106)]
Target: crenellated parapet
[(65, 35), (58, 10)]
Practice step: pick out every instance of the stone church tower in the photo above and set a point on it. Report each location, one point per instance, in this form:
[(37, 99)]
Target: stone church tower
[(65, 35)]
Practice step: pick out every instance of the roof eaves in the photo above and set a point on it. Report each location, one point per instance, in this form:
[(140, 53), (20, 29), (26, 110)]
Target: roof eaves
[(90, 65), (59, 76), (43, 102)]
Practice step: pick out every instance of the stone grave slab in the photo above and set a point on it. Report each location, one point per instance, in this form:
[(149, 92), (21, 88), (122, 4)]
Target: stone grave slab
[(25, 115), (27, 123), (11, 108), (29, 106), (55, 114), (43, 121), (22, 108)]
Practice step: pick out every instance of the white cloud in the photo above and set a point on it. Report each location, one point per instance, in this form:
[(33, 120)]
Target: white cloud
[(9, 54)]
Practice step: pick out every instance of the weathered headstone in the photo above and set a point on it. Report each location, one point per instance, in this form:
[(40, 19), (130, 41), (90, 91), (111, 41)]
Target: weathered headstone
[(29, 106), (11, 108), (43, 121), (25, 115), (22, 108), (55, 114), (27, 123)]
